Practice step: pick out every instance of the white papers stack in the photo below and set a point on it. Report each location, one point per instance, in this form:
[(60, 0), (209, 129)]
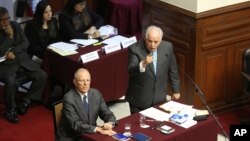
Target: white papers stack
[(84, 42), (2, 59), (63, 48), (114, 40), (108, 30), (179, 108), (175, 107), (156, 114)]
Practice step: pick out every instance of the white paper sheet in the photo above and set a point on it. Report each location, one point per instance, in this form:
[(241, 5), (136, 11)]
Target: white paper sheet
[(175, 107), (156, 114), (84, 42), (114, 40), (63, 46)]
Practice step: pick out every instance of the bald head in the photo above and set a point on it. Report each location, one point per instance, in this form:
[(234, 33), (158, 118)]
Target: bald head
[(154, 31), (153, 37), (81, 71), (82, 80)]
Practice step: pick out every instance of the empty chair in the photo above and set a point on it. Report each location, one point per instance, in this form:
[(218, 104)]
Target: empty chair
[(57, 113)]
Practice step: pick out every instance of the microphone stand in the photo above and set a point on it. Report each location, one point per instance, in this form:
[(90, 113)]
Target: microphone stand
[(205, 103)]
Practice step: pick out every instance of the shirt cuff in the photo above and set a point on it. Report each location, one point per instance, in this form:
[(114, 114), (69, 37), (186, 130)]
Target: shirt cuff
[(142, 69), (95, 130)]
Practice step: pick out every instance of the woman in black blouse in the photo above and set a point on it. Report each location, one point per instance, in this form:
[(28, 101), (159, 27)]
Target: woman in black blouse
[(42, 30), (78, 22)]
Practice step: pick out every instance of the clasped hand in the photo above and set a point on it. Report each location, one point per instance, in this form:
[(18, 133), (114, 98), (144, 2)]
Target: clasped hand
[(10, 55), (149, 59), (106, 129), (8, 30), (93, 32)]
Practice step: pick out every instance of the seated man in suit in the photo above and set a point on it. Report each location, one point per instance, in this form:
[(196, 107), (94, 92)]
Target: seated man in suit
[(16, 64), (81, 108)]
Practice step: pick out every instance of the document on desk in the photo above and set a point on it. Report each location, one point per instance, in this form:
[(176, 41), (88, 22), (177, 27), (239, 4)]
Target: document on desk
[(156, 114), (114, 40), (84, 42), (63, 48), (174, 107), (2, 59), (107, 30)]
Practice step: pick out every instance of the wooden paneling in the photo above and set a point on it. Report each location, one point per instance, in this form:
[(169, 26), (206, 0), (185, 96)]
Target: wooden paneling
[(208, 47)]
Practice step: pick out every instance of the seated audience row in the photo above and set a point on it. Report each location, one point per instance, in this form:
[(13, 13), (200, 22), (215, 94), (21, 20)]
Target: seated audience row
[(75, 21)]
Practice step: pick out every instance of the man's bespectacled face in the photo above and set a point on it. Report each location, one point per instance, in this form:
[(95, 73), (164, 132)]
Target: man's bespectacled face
[(4, 21), (82, 81)]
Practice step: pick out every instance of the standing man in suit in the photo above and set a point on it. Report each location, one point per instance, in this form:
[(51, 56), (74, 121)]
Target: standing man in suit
[(151, 63), (81, 108), (16, 64)]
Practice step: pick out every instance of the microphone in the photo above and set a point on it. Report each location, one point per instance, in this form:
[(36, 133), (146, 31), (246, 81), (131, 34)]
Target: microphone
[(205, 102)]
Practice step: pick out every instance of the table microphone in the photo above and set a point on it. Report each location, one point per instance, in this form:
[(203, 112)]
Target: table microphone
[(204, 101)]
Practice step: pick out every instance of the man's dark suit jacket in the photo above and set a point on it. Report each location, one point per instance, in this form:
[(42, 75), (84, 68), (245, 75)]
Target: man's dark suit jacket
[(18, 45), (146, 89), (74, 121)]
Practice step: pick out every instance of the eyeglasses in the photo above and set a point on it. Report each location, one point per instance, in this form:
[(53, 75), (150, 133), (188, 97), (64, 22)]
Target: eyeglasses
[(83, 81)]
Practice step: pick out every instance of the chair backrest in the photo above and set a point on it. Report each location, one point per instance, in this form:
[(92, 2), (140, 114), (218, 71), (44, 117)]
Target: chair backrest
[(57, 112)]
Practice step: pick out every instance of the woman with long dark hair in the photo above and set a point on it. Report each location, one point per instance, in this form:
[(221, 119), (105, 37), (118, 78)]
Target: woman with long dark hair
[(77, 21), (42, 30)]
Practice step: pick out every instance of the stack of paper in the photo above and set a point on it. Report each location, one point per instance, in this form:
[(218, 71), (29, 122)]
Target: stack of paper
[(63, 48), (175, 107)]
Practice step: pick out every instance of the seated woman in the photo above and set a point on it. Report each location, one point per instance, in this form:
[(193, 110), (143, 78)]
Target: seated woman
[(42, 30), (78, 22)]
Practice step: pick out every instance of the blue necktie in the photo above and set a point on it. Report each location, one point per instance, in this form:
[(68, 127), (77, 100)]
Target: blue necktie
[(85, 104), (155, 60)]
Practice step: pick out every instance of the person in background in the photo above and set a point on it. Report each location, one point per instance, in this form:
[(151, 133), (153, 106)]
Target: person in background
[(81, 108), (42, 30), (150, 64), (78, 22), (16, 63)]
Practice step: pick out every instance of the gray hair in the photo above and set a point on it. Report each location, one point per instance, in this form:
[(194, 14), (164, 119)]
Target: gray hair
[(153, 27)]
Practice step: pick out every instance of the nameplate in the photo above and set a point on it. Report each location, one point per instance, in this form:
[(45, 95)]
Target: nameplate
[(112, 47), (89, 57), (128, 42)]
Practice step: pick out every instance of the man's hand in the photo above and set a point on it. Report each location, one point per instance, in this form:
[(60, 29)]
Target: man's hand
[(176, 96), (8, 30), (10, 55), (103, 131), (148, 59), (108, 126)]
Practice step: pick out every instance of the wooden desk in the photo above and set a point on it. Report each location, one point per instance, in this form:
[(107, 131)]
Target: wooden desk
[(206, 130), (109, 73)]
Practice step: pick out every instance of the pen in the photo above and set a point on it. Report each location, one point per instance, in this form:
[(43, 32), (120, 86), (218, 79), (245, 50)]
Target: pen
[(8, 51), (105, 37), (97, 44)]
